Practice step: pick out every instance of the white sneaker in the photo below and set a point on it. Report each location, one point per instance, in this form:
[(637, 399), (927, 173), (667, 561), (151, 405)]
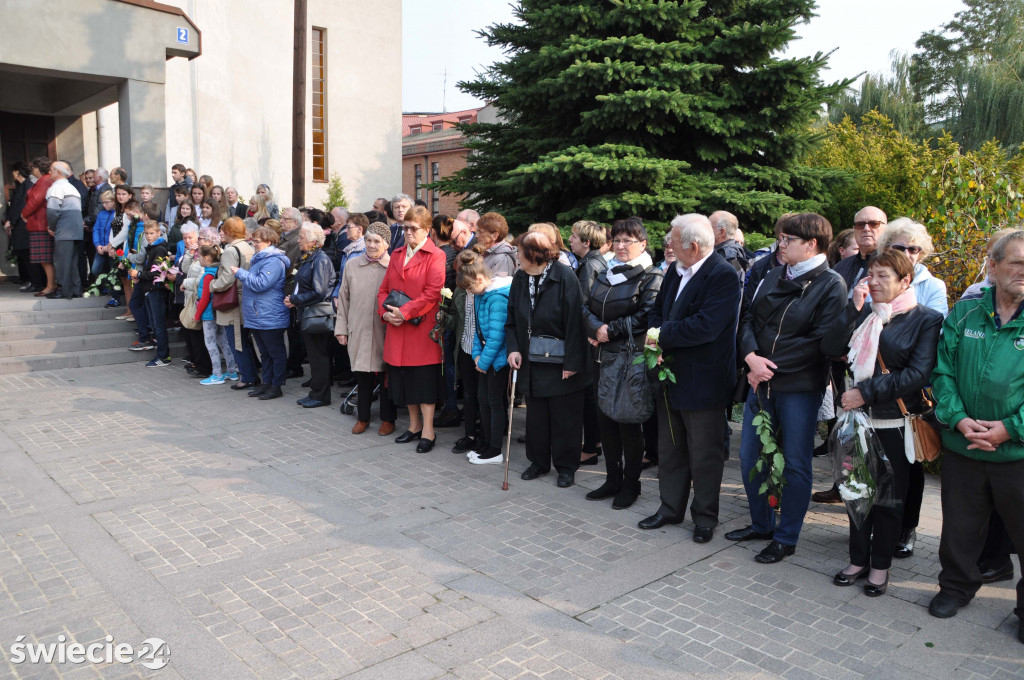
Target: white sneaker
[(472, 454), (496, 460)]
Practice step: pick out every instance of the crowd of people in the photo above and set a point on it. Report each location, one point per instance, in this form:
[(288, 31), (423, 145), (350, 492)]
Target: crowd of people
[(413, 310)]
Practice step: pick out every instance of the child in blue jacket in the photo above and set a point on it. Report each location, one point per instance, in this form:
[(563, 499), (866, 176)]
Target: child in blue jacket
[(489, 353)]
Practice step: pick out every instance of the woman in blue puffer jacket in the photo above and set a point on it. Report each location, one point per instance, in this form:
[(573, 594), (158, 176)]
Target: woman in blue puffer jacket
[(263, 309), (489, 353)]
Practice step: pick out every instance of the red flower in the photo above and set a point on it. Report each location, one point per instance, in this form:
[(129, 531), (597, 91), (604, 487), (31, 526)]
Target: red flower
[(773, 501), (120, 252)]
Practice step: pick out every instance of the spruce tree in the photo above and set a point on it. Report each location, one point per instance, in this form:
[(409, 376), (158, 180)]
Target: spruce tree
[(646, 107)]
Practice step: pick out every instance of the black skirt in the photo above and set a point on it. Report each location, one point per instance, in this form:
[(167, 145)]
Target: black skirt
[(414, 385)]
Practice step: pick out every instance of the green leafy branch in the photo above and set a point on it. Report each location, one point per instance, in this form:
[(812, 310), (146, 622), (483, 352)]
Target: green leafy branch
[(770, 459)]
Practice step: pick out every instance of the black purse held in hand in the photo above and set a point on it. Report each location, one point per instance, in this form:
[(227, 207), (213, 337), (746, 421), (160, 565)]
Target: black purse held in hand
[(397, 298)]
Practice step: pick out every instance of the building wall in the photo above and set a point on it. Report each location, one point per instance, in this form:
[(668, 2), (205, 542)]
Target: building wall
[(448, 162), (229, 111)]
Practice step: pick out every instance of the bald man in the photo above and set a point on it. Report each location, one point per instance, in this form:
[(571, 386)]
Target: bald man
[(868, 225), (725, 226)]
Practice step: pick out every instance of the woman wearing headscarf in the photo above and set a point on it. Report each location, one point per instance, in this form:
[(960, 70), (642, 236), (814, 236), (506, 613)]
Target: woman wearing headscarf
[(890, 344), (413, 360), (359, 328)]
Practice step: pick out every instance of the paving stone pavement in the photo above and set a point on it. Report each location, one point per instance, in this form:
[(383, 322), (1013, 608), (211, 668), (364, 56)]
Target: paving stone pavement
[(262, 540)]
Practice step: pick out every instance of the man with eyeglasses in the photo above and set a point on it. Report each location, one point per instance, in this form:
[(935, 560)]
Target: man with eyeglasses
[(868, 225)]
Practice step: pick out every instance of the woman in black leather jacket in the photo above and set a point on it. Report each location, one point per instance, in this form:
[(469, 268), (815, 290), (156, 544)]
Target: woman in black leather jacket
[(906, 336), (779, 340), (314, 280), (622, 297)]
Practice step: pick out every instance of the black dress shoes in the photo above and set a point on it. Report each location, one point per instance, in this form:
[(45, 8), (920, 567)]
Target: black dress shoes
[(844, 580), (293, 373), (407, 437), (565, 480), (239, 386), (703, 534), (532, 472), (775, 552), (996, 574), (425, 445), (876, 589), (943, 606), (905, 544), (315, 403), (258, 390), (748, 534), (272, 392), (307, 383), (657, 521)]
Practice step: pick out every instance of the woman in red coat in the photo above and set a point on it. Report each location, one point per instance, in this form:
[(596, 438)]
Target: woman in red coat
[(34, 213), (412, 359)]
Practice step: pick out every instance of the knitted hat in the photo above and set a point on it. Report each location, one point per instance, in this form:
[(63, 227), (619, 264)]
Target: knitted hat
[(380, 229)]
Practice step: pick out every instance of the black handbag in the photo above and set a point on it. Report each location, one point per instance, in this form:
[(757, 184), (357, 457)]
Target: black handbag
[(623, 388), (318, 319), (543, 349), (397, 298)]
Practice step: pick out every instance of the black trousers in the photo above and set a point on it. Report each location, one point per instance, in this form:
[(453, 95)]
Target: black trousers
[(470, 392), (692, 447), (650, 429), (24, 265), (195, 345), (554, 427), (998, 546), (493, 398), (623, 445), (971, 490), (365, 382), (318, 346), (874, 541), (915, 496), (296, 346), (591, 421)]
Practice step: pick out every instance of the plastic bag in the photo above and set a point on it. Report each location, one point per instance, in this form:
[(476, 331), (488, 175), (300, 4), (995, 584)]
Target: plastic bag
[(862, 471)]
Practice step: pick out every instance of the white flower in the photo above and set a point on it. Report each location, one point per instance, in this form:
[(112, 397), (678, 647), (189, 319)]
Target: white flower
[(653, 334), (446, 293), (854, 490), (86, 294)]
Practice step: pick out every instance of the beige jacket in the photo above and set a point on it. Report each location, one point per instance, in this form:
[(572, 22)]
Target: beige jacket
[(225, 279), (357, 312)]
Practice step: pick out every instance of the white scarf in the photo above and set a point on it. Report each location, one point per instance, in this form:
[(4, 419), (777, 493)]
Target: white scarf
[(864, 341), (643, 260)]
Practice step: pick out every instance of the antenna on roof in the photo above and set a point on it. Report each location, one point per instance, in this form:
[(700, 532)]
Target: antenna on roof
[(444, 92)]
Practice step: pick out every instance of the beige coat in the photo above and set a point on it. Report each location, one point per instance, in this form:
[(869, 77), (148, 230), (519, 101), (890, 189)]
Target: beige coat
[(357, 312), (225, 279)]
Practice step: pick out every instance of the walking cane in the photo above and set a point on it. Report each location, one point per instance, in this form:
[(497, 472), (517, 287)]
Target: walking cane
[(508, 436)]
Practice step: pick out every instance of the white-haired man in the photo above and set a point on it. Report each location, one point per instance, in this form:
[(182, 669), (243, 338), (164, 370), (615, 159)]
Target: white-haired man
[(726, 227), (697, 312), (64, 220)]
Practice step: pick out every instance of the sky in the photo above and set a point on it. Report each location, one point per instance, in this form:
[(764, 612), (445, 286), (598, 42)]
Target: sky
[(863, 32)]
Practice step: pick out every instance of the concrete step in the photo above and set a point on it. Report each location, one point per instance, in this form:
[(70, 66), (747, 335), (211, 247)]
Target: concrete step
[(96, 357), (64, 330), (76, 343), (30, 303), (79, 314)]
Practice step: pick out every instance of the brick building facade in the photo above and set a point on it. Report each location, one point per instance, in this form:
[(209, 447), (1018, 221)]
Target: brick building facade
[(433, 149)]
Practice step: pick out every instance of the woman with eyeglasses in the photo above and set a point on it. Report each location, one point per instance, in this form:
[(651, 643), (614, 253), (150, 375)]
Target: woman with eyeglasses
[(412, 290), (780, 340), (617, 306), (912, 239)]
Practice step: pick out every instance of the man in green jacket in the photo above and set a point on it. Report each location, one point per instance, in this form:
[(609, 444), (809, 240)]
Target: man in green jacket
[(979, 387)]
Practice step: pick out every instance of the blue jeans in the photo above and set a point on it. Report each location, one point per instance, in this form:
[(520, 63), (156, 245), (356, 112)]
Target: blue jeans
[(156, 309), (273, 353), (246, 358), (100, 265), (137, 306), (795, 416)]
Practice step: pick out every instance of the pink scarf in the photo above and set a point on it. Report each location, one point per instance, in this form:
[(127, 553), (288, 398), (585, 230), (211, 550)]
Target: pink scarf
[(864, 342)]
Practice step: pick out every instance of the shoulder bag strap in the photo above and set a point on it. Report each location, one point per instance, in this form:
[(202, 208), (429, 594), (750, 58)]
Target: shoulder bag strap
[(885, 371)]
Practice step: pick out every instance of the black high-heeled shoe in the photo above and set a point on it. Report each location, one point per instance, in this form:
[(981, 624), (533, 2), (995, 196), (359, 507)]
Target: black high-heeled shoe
[(407, 436), (876, 590), (844, 580)]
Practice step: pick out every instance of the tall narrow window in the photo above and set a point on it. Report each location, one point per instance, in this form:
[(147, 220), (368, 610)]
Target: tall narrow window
[(319, 105), (419, 180), (435, 175)]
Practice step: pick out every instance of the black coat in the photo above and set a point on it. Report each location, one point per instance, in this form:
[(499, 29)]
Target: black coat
[(316, 279), (786, 322), (592, 264), (146, 275), (853, 269), (908, 345), (735, 255), (558, 314), (756, 275), (19, 231), (628, 303), (94, 203), (241, 210), (698, 334)]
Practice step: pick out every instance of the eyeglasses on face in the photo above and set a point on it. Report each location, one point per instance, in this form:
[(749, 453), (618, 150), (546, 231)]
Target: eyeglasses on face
[(874, 224), (785, 240), (408, 228), (625, 243), (913, 250)]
